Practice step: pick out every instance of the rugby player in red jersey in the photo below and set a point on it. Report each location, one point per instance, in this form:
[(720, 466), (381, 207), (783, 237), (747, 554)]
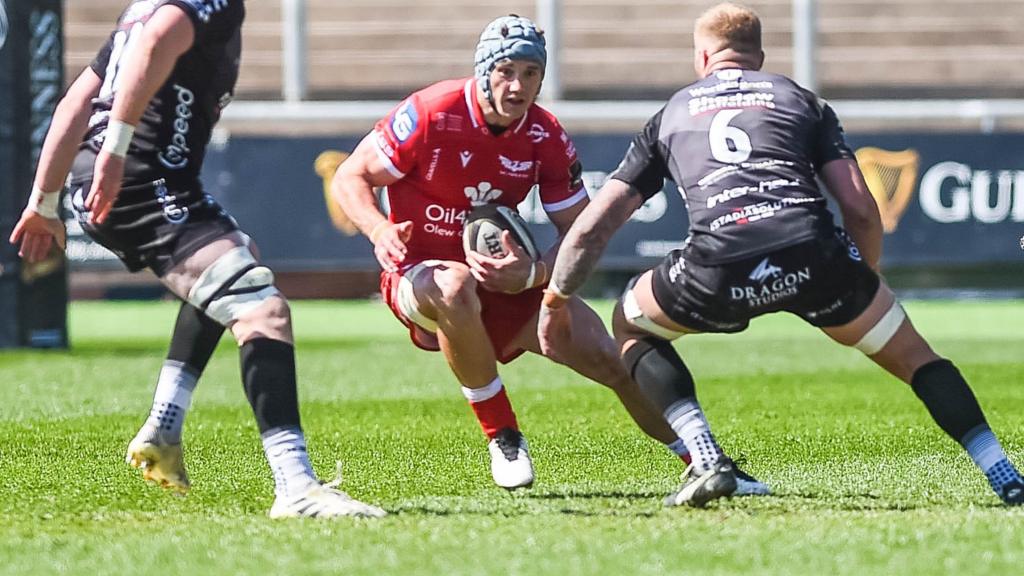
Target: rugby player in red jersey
[(442, 151)]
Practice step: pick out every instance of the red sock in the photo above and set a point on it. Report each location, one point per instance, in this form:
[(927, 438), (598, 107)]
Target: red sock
[(495, 414)]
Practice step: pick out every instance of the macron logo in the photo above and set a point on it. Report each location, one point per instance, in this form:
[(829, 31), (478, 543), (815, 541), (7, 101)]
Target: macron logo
[(764, 271)]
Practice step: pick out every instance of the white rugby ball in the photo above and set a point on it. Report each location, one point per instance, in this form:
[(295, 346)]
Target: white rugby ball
[(482, 230)]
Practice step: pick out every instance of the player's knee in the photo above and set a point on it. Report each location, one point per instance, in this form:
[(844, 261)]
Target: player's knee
[(236, 286), (602, 356), (456, 294), (272, 319), (659, 371), (622, 330)]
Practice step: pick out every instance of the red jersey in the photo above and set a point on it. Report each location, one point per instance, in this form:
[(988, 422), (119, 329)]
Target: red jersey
[(447, 160)]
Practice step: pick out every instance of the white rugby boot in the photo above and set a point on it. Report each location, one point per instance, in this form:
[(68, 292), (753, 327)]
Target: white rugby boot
[(161, 462), (323, 501), (698, 489), (511, 466)]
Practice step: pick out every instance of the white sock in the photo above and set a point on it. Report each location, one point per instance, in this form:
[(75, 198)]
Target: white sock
[(687, 419), (286, 453), (172, 399), (484, 394), (983, 447)]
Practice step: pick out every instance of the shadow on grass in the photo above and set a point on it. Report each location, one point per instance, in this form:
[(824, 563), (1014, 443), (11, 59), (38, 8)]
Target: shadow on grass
[(792, 502), (583, 503), (145, 347), (597, 494), (533, 511)]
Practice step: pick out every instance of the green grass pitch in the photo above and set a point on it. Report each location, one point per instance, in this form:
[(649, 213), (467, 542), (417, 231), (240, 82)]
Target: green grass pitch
[(864, 482)]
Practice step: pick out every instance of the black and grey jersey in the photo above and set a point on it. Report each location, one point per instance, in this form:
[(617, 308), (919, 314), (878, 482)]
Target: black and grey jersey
[(744, 148), (171, 138)]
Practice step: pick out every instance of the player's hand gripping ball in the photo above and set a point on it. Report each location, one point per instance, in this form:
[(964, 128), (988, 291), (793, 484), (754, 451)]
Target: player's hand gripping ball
[(482, 230)]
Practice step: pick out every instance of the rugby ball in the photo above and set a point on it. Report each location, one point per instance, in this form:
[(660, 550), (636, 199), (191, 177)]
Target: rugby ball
[(481, 232)]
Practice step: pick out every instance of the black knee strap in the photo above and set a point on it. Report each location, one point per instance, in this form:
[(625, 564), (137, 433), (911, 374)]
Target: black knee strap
[(948, 398), (659, 371)]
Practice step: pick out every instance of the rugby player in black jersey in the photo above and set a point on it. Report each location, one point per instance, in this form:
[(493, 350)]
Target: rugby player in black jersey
[(745, 148), (132, 130)]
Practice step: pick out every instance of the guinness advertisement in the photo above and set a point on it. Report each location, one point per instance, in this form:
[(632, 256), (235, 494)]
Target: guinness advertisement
[(33, 298), (945, 199)]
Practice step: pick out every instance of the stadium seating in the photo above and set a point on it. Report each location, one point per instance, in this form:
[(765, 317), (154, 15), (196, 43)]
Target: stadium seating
[(619, 48)]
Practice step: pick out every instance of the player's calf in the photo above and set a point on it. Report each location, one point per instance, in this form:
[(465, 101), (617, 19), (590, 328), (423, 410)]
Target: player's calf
[(953, 406)]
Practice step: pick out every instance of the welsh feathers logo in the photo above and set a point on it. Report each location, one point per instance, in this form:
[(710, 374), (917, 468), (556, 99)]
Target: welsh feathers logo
[(764, 271), (890, 177), (3, 24), (481, 194)]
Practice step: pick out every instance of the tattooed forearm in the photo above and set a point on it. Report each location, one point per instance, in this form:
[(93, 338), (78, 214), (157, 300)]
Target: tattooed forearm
[(590, 233)]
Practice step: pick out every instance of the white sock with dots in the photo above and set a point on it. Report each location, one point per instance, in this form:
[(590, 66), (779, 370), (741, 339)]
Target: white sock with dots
[(172, 399), (687, 419)]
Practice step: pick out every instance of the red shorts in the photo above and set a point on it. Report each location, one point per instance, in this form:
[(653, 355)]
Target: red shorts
[(504, 316)]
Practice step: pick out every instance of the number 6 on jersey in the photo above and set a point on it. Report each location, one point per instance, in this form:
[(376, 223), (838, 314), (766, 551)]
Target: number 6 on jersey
[(720, 135)]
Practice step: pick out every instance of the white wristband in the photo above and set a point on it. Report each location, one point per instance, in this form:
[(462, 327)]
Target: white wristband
[(44, 203), (118, 137), (531, 277), (554, 289)]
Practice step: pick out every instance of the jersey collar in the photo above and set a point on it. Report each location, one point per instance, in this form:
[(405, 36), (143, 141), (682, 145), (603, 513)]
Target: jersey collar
[(476, 114)]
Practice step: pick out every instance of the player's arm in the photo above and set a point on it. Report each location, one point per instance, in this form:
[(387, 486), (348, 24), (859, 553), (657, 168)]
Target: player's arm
[(563, 197), (167, 35), (858, 207), (516, 271), (837, 167), (40, 225), (67, 127), (353, 189), (640, 175), (588, 236), (581, 248)]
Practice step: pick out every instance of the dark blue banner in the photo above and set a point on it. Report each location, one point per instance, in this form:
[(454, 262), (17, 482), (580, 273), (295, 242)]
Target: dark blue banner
[(945, 199)]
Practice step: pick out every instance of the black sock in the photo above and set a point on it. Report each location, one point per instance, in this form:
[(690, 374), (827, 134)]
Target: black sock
[(659, 371), (948, 398), (194, 338), (268, 374)]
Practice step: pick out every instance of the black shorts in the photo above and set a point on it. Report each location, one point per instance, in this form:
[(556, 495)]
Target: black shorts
[(154, 225), (824, 281)]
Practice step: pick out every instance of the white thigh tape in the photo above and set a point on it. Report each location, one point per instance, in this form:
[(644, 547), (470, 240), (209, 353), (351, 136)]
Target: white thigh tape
[(635, 316), (244, 292), (879, 336), (407, 303)]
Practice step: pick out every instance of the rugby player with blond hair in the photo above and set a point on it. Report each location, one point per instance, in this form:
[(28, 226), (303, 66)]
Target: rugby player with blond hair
[(746, 148)]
